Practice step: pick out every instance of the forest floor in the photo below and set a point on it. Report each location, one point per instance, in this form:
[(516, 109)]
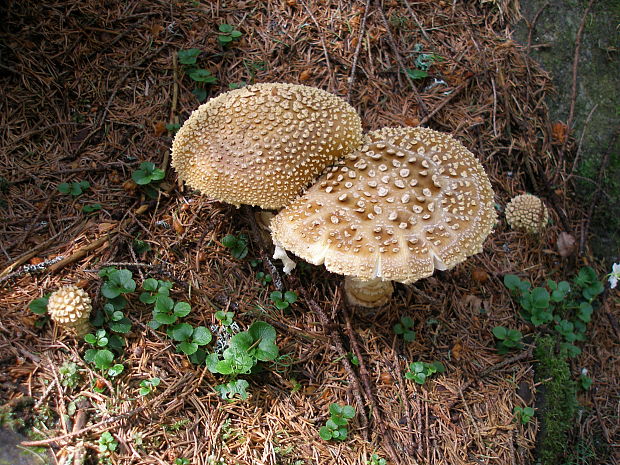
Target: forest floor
[(90, 90)]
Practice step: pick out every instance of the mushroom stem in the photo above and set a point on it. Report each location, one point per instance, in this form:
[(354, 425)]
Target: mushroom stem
[(369, 293), (280, 254)]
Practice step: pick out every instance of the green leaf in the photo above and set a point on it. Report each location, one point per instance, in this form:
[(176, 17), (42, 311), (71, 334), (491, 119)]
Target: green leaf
[(419, 378), (406, 321), (331, 424), (417, 367), (188, 348), (416, 73), (235, 34), (224, 39), (110, 290), (500, 332), (182, 309), (150, 284), (267, 348), (325, 433), (211, 361), (438, 367), (39, 306), (202, 75), (147, 298), (116, 370), (409, 336), (164, 318), (233, 388), (90, 338), (163, 303), (335, 409), (348, 411), (202, 336), (91, 208), (241, 341), (122, 326), (64, 188), (290, 297), (585, 312), (229, 241), (103, 359), (182, 332), (540, 297), (281, 304), (225, 28), (398, 329), (189, 56), (200, 93)]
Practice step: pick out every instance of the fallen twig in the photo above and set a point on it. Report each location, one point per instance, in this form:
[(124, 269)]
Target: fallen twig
[(358, 47)]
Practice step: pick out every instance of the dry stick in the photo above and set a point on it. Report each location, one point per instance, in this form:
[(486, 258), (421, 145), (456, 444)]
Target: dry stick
[(358, 47), (491, 369), (104, 423), (34, 221), (257, 239), (335, 335), (119, 83), (573, 97), (392, 42), (321, 36), (415, 18), (531, 29), (597, 193), (385, 434), (444, 102), (400, 384), (82, 251), (583, 133)]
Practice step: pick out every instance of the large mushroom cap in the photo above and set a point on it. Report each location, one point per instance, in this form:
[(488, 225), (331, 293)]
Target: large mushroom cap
[(408, 201), (262, 144)]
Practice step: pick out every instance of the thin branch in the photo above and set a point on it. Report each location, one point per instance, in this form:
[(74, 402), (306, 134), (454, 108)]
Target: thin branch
[(358, 47)]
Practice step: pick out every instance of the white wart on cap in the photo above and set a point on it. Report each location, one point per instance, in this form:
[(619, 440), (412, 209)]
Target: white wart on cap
[(408, 201), (262, 144)]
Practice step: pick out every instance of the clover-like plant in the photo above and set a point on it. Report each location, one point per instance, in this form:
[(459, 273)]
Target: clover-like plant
[(404, 328), (420, 371), (568, 306), (508, 339), (147, 386), (189, 58), (238, 245), (283, 300), (75, 188), (189, 338), (523, 414), (245, 350), (336, 426), (227, 34), (100, 356)]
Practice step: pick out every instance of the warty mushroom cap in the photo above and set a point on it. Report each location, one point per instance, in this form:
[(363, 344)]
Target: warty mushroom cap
[(527, 212), (408, 201), (70, 308), (262, 144)]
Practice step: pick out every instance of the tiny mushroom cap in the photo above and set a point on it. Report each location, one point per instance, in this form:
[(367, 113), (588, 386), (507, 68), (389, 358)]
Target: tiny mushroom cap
[(528, 213), (262, 144), (70, 308), (409, 200)]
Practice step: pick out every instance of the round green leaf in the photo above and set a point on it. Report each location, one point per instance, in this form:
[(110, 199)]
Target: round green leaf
[(150, 284), (201, 336), (500, 332), (325, 433), (188, 348), (182, 332), (348, 411), (103, 359), (182, 309), (226, 28), (39, 306)]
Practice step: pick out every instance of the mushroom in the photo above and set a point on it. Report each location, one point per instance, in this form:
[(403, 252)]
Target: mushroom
[(408, 201), (262, 144), (528, 213), (70, 308)]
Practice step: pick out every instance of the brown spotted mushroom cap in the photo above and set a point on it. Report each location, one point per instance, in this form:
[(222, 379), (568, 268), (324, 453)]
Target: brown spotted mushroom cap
[(527, 212), (262, 144), (70, 308), (408, 201)]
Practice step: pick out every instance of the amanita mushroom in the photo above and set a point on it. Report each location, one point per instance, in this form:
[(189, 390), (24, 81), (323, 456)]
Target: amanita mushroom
[(70, 308), (528, 213), (408, 201), (262, 144)]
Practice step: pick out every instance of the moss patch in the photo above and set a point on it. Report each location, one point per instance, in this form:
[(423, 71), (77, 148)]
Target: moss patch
[(556, 401)]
